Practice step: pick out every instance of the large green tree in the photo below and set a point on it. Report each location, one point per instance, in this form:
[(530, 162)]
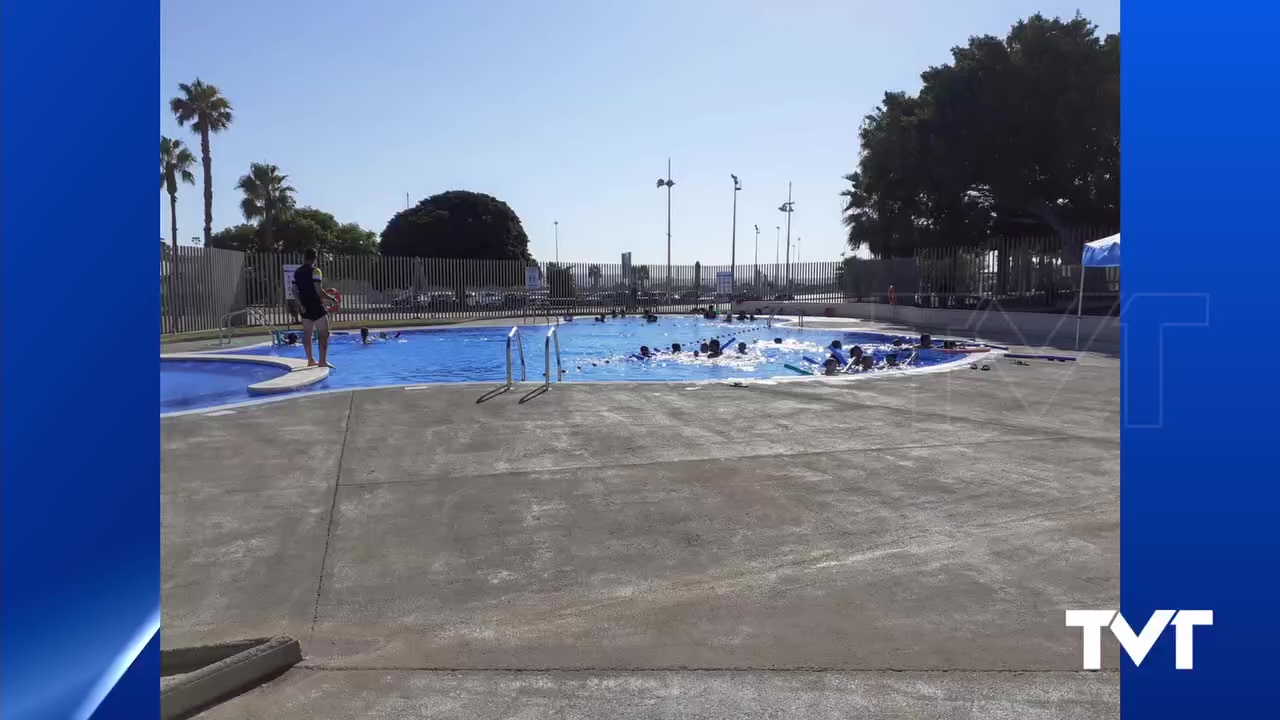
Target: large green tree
[(298, 229), (457, 224), (202, 106), (267, 195), (307, 227), (242, 237), (1015, 135)]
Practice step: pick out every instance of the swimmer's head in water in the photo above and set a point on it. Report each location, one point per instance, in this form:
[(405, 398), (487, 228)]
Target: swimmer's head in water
[(867, 362), (856, 352), (835, 345), (364, 334), (675, 347), (742, 348), (777, 341)]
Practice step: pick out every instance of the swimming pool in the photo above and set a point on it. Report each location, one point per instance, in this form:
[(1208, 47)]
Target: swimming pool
[(590, 351), (192, 384)]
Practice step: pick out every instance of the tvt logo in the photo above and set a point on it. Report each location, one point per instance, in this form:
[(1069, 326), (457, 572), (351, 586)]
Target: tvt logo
[(1137, 646)]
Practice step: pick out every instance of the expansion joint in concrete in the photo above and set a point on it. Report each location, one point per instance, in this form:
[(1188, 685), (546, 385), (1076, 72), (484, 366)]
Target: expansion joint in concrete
[(333, 507)]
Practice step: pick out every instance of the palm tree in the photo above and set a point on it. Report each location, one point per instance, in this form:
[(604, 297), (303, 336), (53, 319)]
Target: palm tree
[(265, 196), (203, 107), (175, 166), (594, 273)]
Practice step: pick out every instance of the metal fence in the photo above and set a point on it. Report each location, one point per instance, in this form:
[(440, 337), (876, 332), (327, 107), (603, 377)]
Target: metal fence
[(206, 289), (1032, 274)]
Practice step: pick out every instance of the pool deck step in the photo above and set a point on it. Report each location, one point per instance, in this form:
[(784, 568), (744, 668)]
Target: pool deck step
[(299, 375)]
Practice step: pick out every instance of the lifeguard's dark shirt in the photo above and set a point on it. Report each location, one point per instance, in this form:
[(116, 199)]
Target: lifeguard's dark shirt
[(304, 283)]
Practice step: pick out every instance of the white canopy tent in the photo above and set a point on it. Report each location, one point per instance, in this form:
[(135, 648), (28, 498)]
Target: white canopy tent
[(1099, 253)]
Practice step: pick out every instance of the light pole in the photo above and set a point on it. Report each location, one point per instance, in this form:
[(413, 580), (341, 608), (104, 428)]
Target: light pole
[(667, 182), (777, 238), (788, 207), (733, 252), (755, 266), (557, 224)]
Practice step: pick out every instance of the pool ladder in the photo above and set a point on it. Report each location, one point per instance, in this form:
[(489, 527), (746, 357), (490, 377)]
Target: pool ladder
[(515, 333), (552, 337)]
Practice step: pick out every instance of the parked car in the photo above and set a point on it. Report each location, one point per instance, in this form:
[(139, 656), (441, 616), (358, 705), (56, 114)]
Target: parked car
[(411, 302), (487, 300)]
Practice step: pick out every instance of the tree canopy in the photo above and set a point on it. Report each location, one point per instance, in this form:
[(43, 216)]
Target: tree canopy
[(1019, 135), (311, 228), (296, 230), (457, 224), (242, 237)]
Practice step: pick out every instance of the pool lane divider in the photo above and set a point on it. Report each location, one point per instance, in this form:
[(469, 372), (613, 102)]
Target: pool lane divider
[(298, 374)]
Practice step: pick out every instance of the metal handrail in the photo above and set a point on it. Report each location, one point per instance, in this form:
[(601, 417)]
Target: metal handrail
[(515, 333), (226, 330), (551, 334), (772, 315), (546, 311)]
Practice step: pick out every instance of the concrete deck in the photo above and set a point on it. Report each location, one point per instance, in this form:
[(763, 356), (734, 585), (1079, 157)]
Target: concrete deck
[(879, 549)]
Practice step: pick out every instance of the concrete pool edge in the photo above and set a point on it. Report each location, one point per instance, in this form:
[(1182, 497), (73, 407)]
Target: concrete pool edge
[(298, 374)]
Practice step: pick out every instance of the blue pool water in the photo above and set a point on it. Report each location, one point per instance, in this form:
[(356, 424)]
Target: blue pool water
[(590, 351), (191, 384)]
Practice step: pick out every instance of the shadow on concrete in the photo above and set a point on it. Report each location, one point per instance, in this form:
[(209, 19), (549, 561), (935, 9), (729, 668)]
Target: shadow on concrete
[(493, 394), (533, 393)]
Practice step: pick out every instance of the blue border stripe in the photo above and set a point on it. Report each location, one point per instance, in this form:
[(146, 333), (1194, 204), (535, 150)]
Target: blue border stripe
[(1200, 501), (79, 437)]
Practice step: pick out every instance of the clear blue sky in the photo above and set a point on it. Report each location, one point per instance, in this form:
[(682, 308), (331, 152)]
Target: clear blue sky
[(566, 109)]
